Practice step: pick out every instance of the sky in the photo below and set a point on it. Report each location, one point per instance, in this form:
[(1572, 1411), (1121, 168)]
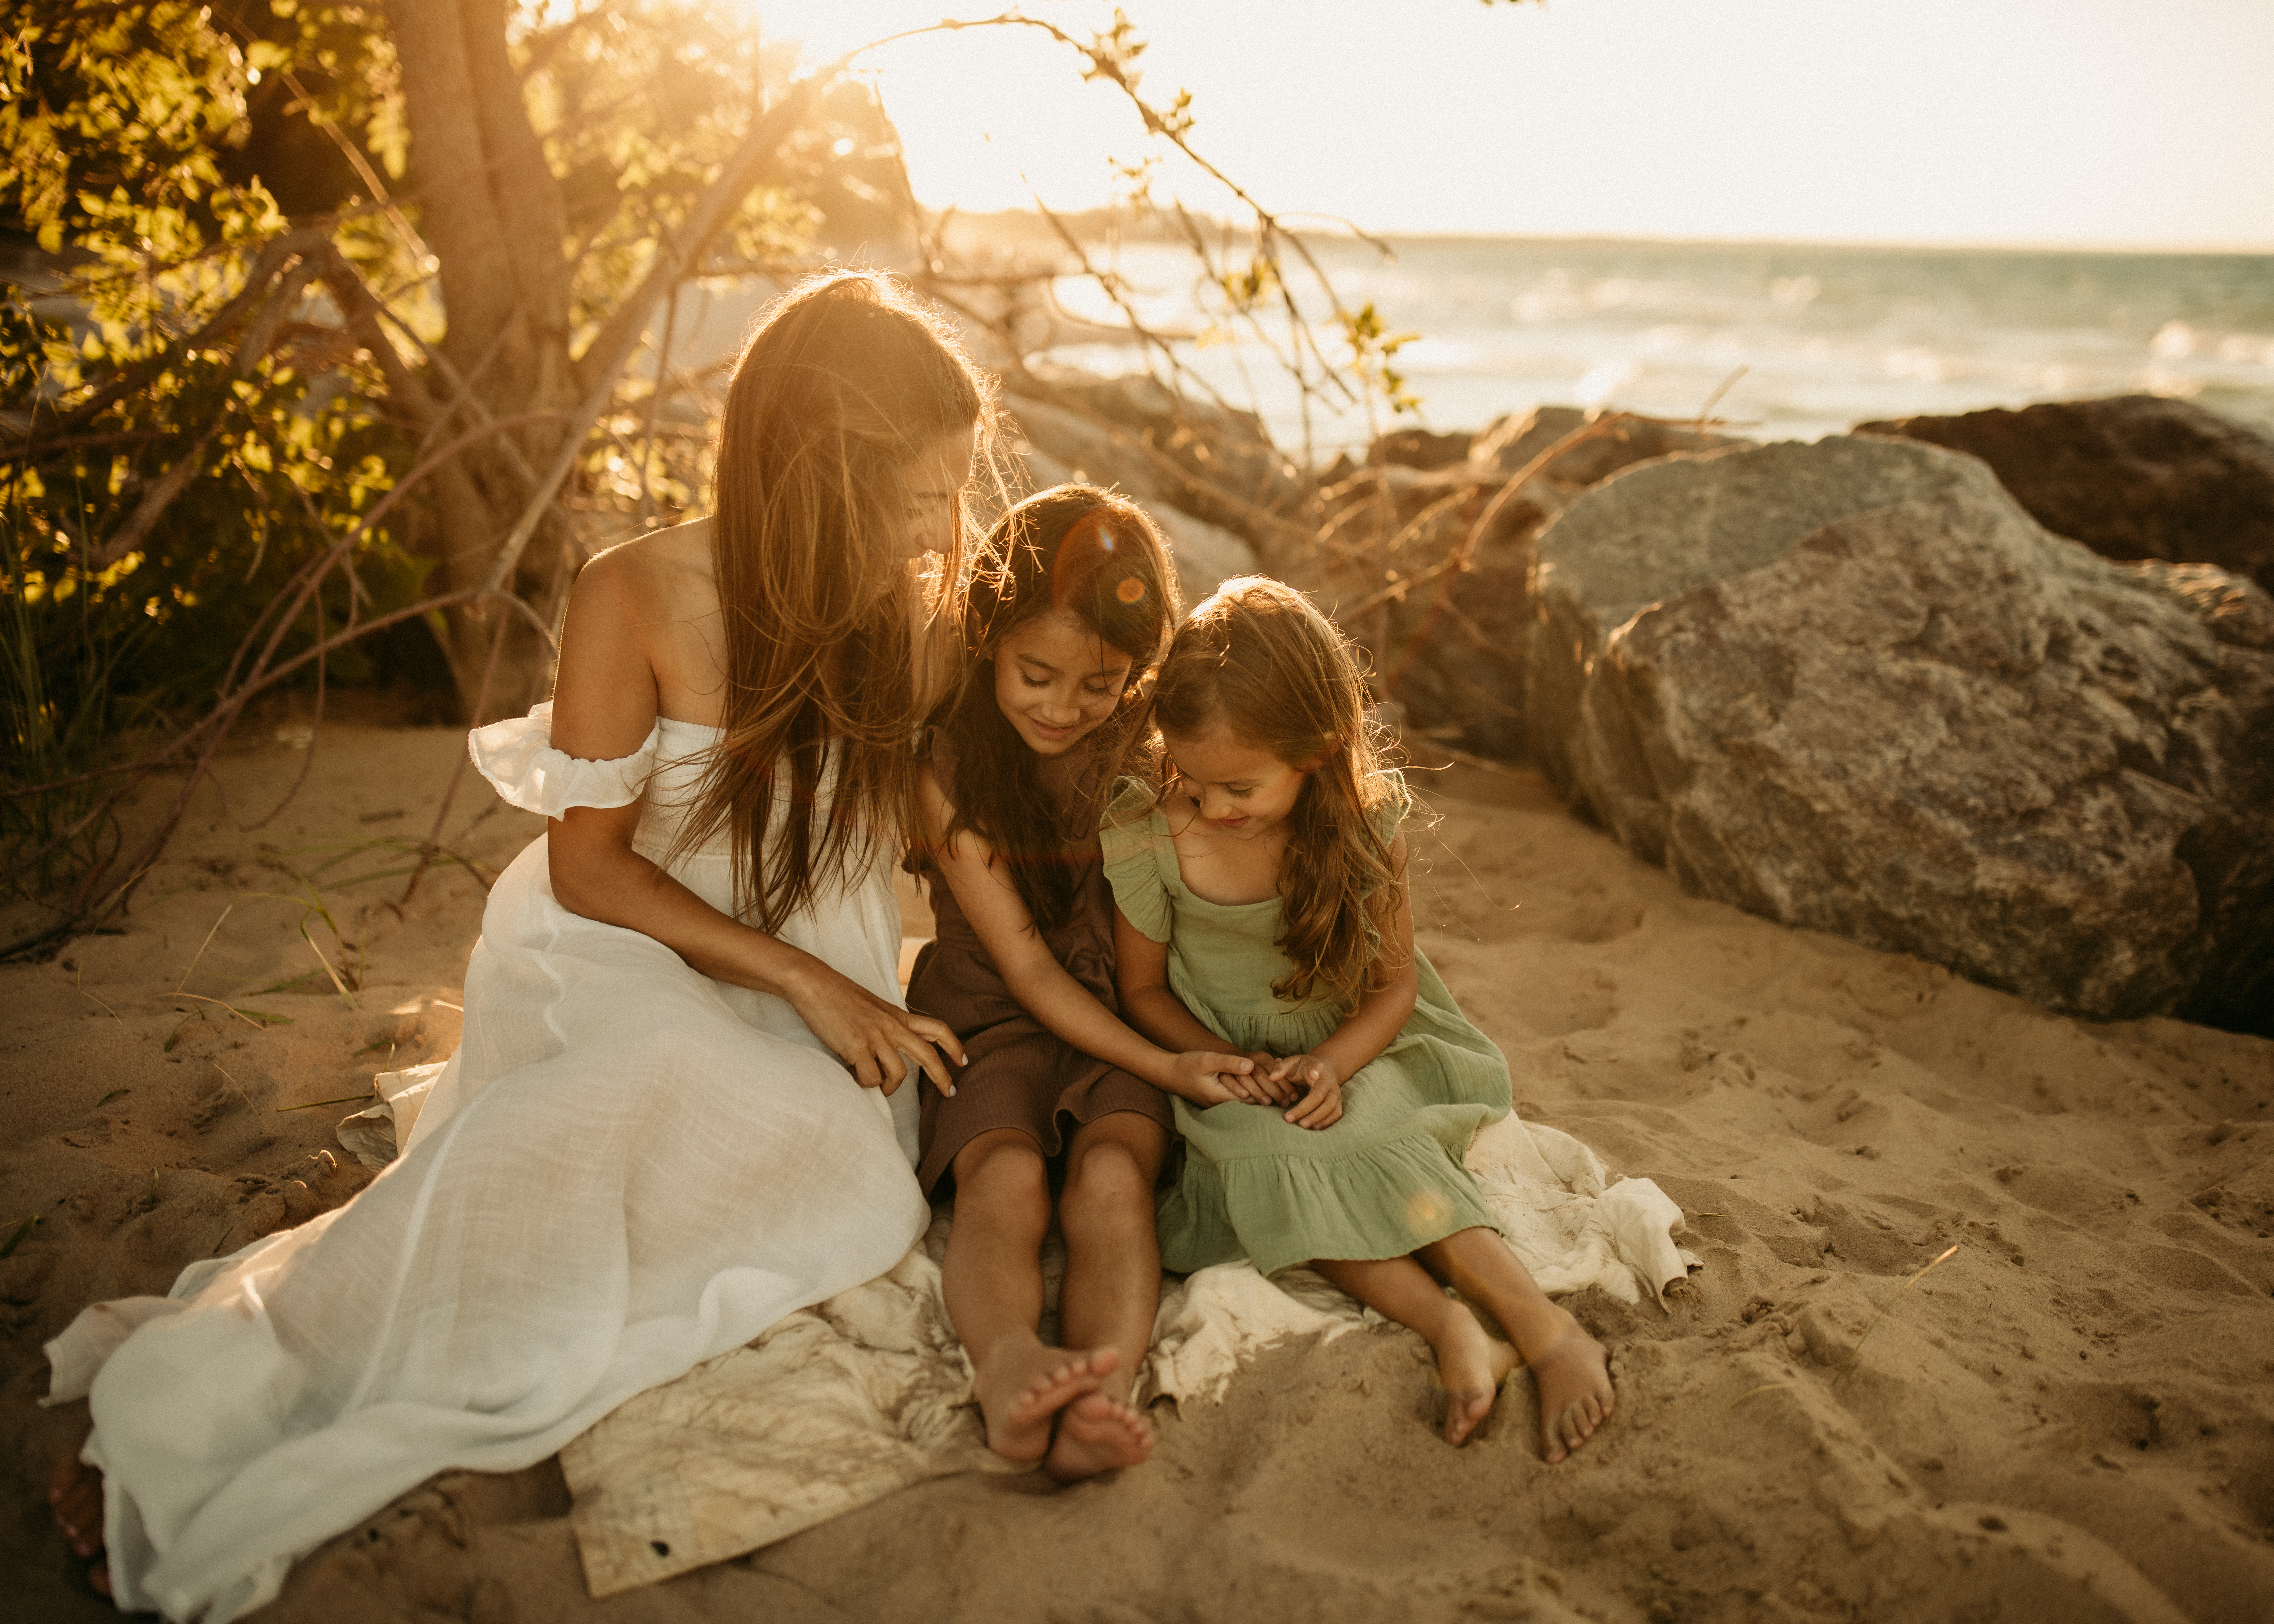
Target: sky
[(2139, 123)]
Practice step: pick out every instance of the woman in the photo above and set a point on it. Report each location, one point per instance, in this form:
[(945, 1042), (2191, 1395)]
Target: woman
[(667, 1124)]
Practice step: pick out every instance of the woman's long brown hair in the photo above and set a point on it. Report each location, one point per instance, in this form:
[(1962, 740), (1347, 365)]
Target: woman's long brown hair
[(1258, 660), (1081, 549), (840, 389)]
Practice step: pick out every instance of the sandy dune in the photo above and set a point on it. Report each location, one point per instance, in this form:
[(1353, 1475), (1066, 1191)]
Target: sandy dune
[(2071, 1417)]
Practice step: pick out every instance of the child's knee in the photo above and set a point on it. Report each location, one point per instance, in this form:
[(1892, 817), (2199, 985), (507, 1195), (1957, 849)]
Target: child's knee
[(1109, 1171), (1006, 1165)]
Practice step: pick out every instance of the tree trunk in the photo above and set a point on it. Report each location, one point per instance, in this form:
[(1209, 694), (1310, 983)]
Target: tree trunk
[(491, 213)]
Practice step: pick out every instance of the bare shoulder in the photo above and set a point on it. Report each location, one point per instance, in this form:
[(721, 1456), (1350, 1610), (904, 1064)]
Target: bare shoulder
[(931, 797), (659, 592), (666, 574), (938, 811)]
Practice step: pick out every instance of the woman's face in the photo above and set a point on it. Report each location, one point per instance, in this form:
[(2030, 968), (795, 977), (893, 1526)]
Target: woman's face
[(940, 471), (1056, 681)]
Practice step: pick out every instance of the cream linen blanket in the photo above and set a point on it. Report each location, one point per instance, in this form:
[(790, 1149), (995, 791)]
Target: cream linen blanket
[(867, 1393)]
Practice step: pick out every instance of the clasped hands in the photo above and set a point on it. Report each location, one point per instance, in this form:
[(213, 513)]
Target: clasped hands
[(1310, 1086)]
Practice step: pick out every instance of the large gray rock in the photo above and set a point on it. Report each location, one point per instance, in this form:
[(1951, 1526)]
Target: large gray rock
[(1855, 686)]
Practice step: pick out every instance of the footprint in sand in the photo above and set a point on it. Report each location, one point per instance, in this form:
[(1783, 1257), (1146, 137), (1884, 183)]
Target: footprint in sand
[(1580, 1001)]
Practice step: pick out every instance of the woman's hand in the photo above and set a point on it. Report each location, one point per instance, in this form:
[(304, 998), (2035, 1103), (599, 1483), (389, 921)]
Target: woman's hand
[(875, 1040), (1322, 1104), (1208, 1080)]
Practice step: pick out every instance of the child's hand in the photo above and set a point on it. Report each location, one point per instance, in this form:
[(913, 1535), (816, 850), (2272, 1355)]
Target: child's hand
[(1322, 1104), (1210, 1079), (1270, 1082)]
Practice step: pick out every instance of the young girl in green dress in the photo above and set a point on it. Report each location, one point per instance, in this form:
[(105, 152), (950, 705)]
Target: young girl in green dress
[(1261, 905)]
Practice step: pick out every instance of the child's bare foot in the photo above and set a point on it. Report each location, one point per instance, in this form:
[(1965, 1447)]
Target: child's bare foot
[(1098, 1435), (75, 1492), (1472, 1365), (1021, 1396), (1574, 1378)]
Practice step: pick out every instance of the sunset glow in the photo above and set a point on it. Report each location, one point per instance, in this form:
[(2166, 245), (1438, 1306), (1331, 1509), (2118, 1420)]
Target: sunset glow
[(2022, 122)]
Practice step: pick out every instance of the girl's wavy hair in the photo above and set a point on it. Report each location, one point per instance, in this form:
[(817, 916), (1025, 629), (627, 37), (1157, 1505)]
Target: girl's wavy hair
[(839, 388), (1258, 661), (1098, 556)]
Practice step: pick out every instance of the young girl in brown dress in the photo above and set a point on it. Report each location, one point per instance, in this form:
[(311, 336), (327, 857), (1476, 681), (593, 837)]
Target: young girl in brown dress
[(1067, 617)]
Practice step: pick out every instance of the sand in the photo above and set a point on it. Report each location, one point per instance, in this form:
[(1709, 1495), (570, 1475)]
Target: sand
[(2071, 1417)]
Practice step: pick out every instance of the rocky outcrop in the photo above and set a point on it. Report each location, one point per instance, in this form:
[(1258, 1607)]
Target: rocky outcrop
[(2137, 477), (1225, 497), (1855, 686), (1450, 648), (1511, 444), (1422, 448), (1208, 461), (1079, 449), (1205, 555)]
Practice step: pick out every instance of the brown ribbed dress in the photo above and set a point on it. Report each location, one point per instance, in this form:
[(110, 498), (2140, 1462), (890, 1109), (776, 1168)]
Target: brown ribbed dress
[(1020, 1074)]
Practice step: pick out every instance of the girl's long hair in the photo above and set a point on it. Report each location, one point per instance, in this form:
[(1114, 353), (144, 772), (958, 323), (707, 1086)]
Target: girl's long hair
[(1260, 662), (841, 387), (1081, 549)]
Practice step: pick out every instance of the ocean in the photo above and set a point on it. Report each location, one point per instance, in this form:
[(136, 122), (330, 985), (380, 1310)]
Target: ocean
[(1826, 336)]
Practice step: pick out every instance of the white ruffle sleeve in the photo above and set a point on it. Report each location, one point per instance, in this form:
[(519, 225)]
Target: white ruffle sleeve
[(518, 759)]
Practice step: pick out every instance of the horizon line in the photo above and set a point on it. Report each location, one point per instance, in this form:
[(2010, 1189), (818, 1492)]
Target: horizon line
[(1356, 232), (1953, 245)]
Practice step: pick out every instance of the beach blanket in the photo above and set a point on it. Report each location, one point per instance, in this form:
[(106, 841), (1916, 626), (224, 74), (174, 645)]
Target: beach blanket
[(869, 1393)]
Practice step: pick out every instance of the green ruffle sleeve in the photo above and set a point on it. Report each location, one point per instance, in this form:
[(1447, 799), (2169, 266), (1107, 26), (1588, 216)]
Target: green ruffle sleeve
[(1131, 838)]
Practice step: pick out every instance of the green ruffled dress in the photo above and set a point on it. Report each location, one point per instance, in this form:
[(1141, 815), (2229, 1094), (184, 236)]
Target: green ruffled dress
[(1384, 1180)]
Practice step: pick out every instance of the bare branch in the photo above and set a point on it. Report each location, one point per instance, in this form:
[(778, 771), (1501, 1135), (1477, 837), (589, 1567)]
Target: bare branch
[(605, 359), (274, 257), (156, 499)]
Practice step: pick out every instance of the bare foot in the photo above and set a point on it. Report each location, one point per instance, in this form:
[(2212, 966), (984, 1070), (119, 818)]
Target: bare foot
[(1098, 1435), (1472, 1365), (1574, 1378), (1021, 1395), (75, 1492)]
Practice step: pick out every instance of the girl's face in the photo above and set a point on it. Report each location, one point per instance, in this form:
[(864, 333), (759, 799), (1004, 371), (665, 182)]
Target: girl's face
[(940, 471), (1056, 681), (1242, 789)]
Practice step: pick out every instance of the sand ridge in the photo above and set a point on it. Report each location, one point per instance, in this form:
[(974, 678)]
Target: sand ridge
[(2071, 1417)]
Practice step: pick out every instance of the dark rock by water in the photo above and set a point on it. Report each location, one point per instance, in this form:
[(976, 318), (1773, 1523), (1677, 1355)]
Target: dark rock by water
[(1422, 448), (2135, 477), (1855, 686)]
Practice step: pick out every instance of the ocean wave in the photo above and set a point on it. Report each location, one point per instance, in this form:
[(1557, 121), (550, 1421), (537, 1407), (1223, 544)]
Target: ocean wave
[(1826, 336)]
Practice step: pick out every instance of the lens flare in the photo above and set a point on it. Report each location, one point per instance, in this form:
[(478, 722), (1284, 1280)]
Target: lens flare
[(1427, 1211)]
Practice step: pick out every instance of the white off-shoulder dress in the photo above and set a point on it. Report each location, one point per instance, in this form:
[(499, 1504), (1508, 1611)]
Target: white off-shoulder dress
[(627, 1168)]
